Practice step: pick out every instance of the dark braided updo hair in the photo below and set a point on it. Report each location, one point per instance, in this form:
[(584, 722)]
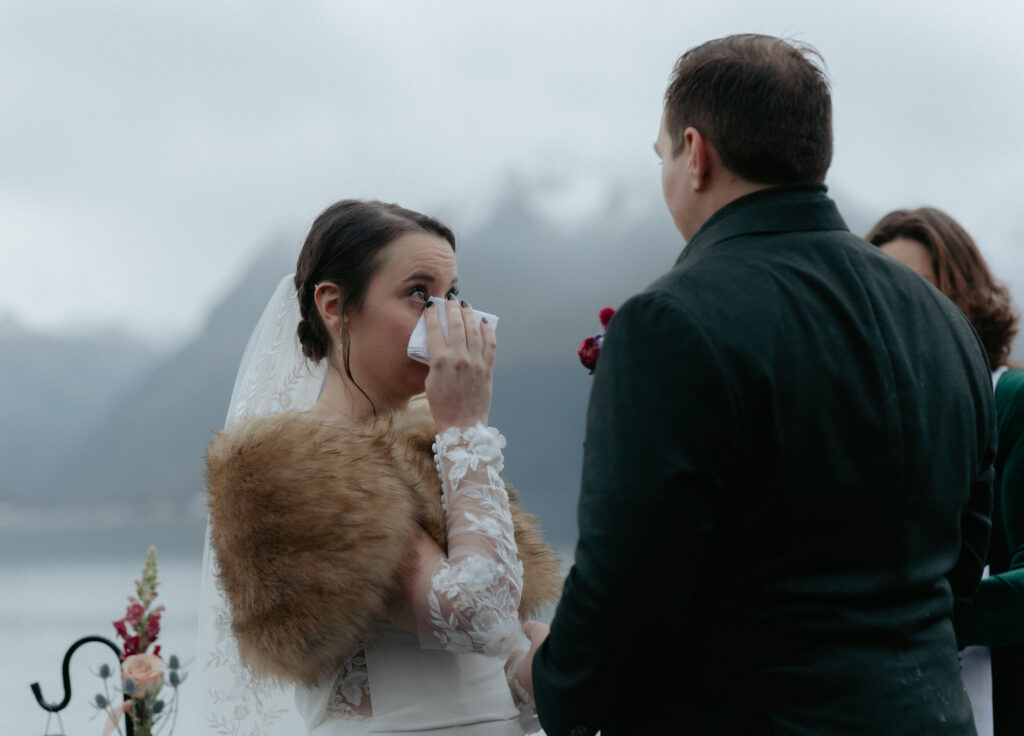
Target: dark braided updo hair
[(343, 247)]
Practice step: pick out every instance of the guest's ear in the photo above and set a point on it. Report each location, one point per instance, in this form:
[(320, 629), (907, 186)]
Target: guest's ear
[(698, 158), (328, 302)]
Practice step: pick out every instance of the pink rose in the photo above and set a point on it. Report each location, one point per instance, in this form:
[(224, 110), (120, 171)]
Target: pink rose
[(146, 671)]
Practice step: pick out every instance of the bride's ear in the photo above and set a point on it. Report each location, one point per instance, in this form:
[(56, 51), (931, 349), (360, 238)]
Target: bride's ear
[(328, 302)]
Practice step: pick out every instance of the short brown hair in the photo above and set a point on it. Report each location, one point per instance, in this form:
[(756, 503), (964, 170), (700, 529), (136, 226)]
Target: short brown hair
[(961, 272), (763, 102)]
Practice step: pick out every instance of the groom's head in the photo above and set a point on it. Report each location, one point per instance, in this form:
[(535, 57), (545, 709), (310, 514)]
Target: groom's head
[(744, 112)]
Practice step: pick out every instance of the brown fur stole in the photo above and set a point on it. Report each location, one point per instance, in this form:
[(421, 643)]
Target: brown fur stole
[(310, 522)]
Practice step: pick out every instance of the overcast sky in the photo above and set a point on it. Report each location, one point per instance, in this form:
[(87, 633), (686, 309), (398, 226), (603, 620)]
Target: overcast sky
[(147, 149)]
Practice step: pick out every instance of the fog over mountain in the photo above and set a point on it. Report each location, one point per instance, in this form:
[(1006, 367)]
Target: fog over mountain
[(103, 425), (135, 426), (54, 390)]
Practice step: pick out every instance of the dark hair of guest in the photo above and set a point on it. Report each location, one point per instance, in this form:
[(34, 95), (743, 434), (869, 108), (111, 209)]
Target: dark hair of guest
[(960, 271), (763, 102), (343, 247)]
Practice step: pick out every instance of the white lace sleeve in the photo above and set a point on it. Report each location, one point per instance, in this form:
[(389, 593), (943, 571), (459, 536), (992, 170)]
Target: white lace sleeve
[(472, 594), (472, 603)]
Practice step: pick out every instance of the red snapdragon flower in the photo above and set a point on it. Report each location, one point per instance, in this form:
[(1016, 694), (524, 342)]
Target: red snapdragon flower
[(133, 616), (140, 626), (131, 646), (121, 629), (152, 626)]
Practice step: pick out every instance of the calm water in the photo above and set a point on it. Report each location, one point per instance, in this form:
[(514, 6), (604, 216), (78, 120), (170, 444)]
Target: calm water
[(46, 605), (60, 584)]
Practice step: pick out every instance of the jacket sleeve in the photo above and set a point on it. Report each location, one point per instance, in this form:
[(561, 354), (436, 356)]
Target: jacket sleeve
[(995, 616), (975, 531), (976, 517), (662, 438)]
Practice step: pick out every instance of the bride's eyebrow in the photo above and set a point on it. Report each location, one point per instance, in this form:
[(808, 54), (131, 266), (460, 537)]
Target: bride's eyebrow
[(420, 276)]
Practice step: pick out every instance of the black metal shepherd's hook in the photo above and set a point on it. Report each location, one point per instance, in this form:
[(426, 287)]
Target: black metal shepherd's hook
[(55, 708)]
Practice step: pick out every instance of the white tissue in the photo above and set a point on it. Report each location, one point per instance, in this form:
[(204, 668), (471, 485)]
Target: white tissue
[(417, 349)]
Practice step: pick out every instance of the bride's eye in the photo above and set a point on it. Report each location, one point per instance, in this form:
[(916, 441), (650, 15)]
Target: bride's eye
[(454, 291), (419, 291)]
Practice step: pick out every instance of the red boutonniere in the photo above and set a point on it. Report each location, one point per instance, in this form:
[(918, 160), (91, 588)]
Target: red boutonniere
[(590, 348)]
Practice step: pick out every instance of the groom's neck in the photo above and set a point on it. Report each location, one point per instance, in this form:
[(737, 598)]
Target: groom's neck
[(726, 188)]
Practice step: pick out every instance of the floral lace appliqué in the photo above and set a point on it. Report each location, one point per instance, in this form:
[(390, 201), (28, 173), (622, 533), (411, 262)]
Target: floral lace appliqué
[(473, 602), (351, 694)]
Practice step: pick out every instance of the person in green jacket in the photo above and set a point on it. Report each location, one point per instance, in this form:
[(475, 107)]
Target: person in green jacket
[(936, 246), (786, 481)]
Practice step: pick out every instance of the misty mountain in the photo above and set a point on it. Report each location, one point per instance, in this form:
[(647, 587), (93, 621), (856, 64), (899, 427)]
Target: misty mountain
[(55, 388), (143, 441), (104, 420), (150, 442)]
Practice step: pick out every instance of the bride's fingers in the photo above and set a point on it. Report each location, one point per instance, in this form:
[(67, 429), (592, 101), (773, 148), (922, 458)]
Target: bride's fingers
[(489, 341), (536, 632), (474, 341), (435, 335), (458, 386), (456, 325)]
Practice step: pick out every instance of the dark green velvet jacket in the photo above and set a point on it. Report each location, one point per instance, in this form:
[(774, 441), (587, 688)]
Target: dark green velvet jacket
[(995, 616), (786, 482)]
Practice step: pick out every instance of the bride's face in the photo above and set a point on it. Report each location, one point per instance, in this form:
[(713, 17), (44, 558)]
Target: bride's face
[(414, 266)]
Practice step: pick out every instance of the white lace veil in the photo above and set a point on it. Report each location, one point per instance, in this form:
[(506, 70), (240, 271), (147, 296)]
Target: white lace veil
[(222, 698)]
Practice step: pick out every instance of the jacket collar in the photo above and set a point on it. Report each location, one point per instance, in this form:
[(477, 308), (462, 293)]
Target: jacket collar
[(789, 208)]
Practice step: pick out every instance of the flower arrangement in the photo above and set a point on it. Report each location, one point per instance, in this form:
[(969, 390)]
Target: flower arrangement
[(143, 673), (590, 348)]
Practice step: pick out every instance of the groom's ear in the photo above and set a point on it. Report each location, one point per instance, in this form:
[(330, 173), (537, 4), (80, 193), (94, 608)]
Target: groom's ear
[(698, 162), (328, 302)]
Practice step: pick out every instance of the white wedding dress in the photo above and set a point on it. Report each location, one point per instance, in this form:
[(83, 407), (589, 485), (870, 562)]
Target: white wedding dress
[(448, 678)]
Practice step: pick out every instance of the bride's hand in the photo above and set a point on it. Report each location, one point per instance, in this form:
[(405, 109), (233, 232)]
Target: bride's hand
[(459, 383), (519, 667)]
